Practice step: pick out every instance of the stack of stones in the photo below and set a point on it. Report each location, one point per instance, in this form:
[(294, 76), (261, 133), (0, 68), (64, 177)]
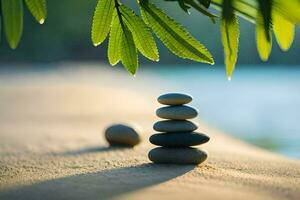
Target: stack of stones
[(177, 132)]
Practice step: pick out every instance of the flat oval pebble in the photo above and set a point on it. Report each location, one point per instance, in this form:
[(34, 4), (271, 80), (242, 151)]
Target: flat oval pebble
[(180, 139), (185, 155), (120, 134), (174, 126), (174, 99), (177, 112)]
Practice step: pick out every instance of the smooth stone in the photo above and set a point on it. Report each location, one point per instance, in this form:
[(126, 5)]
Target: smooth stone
[(122, 135), (185, 155), (180, 139), (174, 126), (174, 99), (177, 112)]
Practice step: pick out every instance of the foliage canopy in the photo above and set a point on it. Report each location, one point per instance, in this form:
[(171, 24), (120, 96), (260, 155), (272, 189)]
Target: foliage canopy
[(130, 33)]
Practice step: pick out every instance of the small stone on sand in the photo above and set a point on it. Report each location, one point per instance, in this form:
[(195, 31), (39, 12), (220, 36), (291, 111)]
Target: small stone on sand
[(174, 126), (122, 135), (174, 99), (186, 155), (179, 139), (177, 112)]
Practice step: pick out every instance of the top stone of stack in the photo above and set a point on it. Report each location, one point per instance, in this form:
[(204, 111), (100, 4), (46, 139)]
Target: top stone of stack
[(173, 99)]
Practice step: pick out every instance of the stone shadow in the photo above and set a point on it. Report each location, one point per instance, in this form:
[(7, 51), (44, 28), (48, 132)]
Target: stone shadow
[(93, 149), (105, 184)]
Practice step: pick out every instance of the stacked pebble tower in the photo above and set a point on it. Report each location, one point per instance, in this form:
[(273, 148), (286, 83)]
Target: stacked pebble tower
[(177, 132)]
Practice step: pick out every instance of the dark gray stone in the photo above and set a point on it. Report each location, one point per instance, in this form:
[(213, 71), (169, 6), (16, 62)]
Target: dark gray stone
[(177, 112), (185, 155), (179, 139), (174, 126), (174, 99), (122, 135)]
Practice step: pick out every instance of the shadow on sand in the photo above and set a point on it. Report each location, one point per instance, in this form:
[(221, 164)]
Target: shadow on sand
[(95, 149), (101, 185)]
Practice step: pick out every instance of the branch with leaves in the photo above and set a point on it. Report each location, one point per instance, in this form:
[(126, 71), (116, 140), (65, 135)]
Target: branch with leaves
[(130, 33)]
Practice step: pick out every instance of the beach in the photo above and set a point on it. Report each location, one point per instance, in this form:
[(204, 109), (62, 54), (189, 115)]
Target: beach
[(52, 144)]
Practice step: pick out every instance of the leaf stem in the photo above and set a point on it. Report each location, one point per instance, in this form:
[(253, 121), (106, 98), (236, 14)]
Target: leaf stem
[(117, 5)]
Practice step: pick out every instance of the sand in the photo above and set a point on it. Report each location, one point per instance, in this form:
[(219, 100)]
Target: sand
[(52, 144)]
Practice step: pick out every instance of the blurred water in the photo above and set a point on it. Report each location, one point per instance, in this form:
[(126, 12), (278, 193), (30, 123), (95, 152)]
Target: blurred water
[(260, 104)]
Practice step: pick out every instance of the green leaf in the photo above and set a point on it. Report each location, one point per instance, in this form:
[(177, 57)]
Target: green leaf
[(230, 39), (265, 8), (290, 9), (129, 55), (284, 30), (12, 13), (173, 35), (264, 46), (102, 20), (37, 9), (115, 41), (121, 45), (143, 38)]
